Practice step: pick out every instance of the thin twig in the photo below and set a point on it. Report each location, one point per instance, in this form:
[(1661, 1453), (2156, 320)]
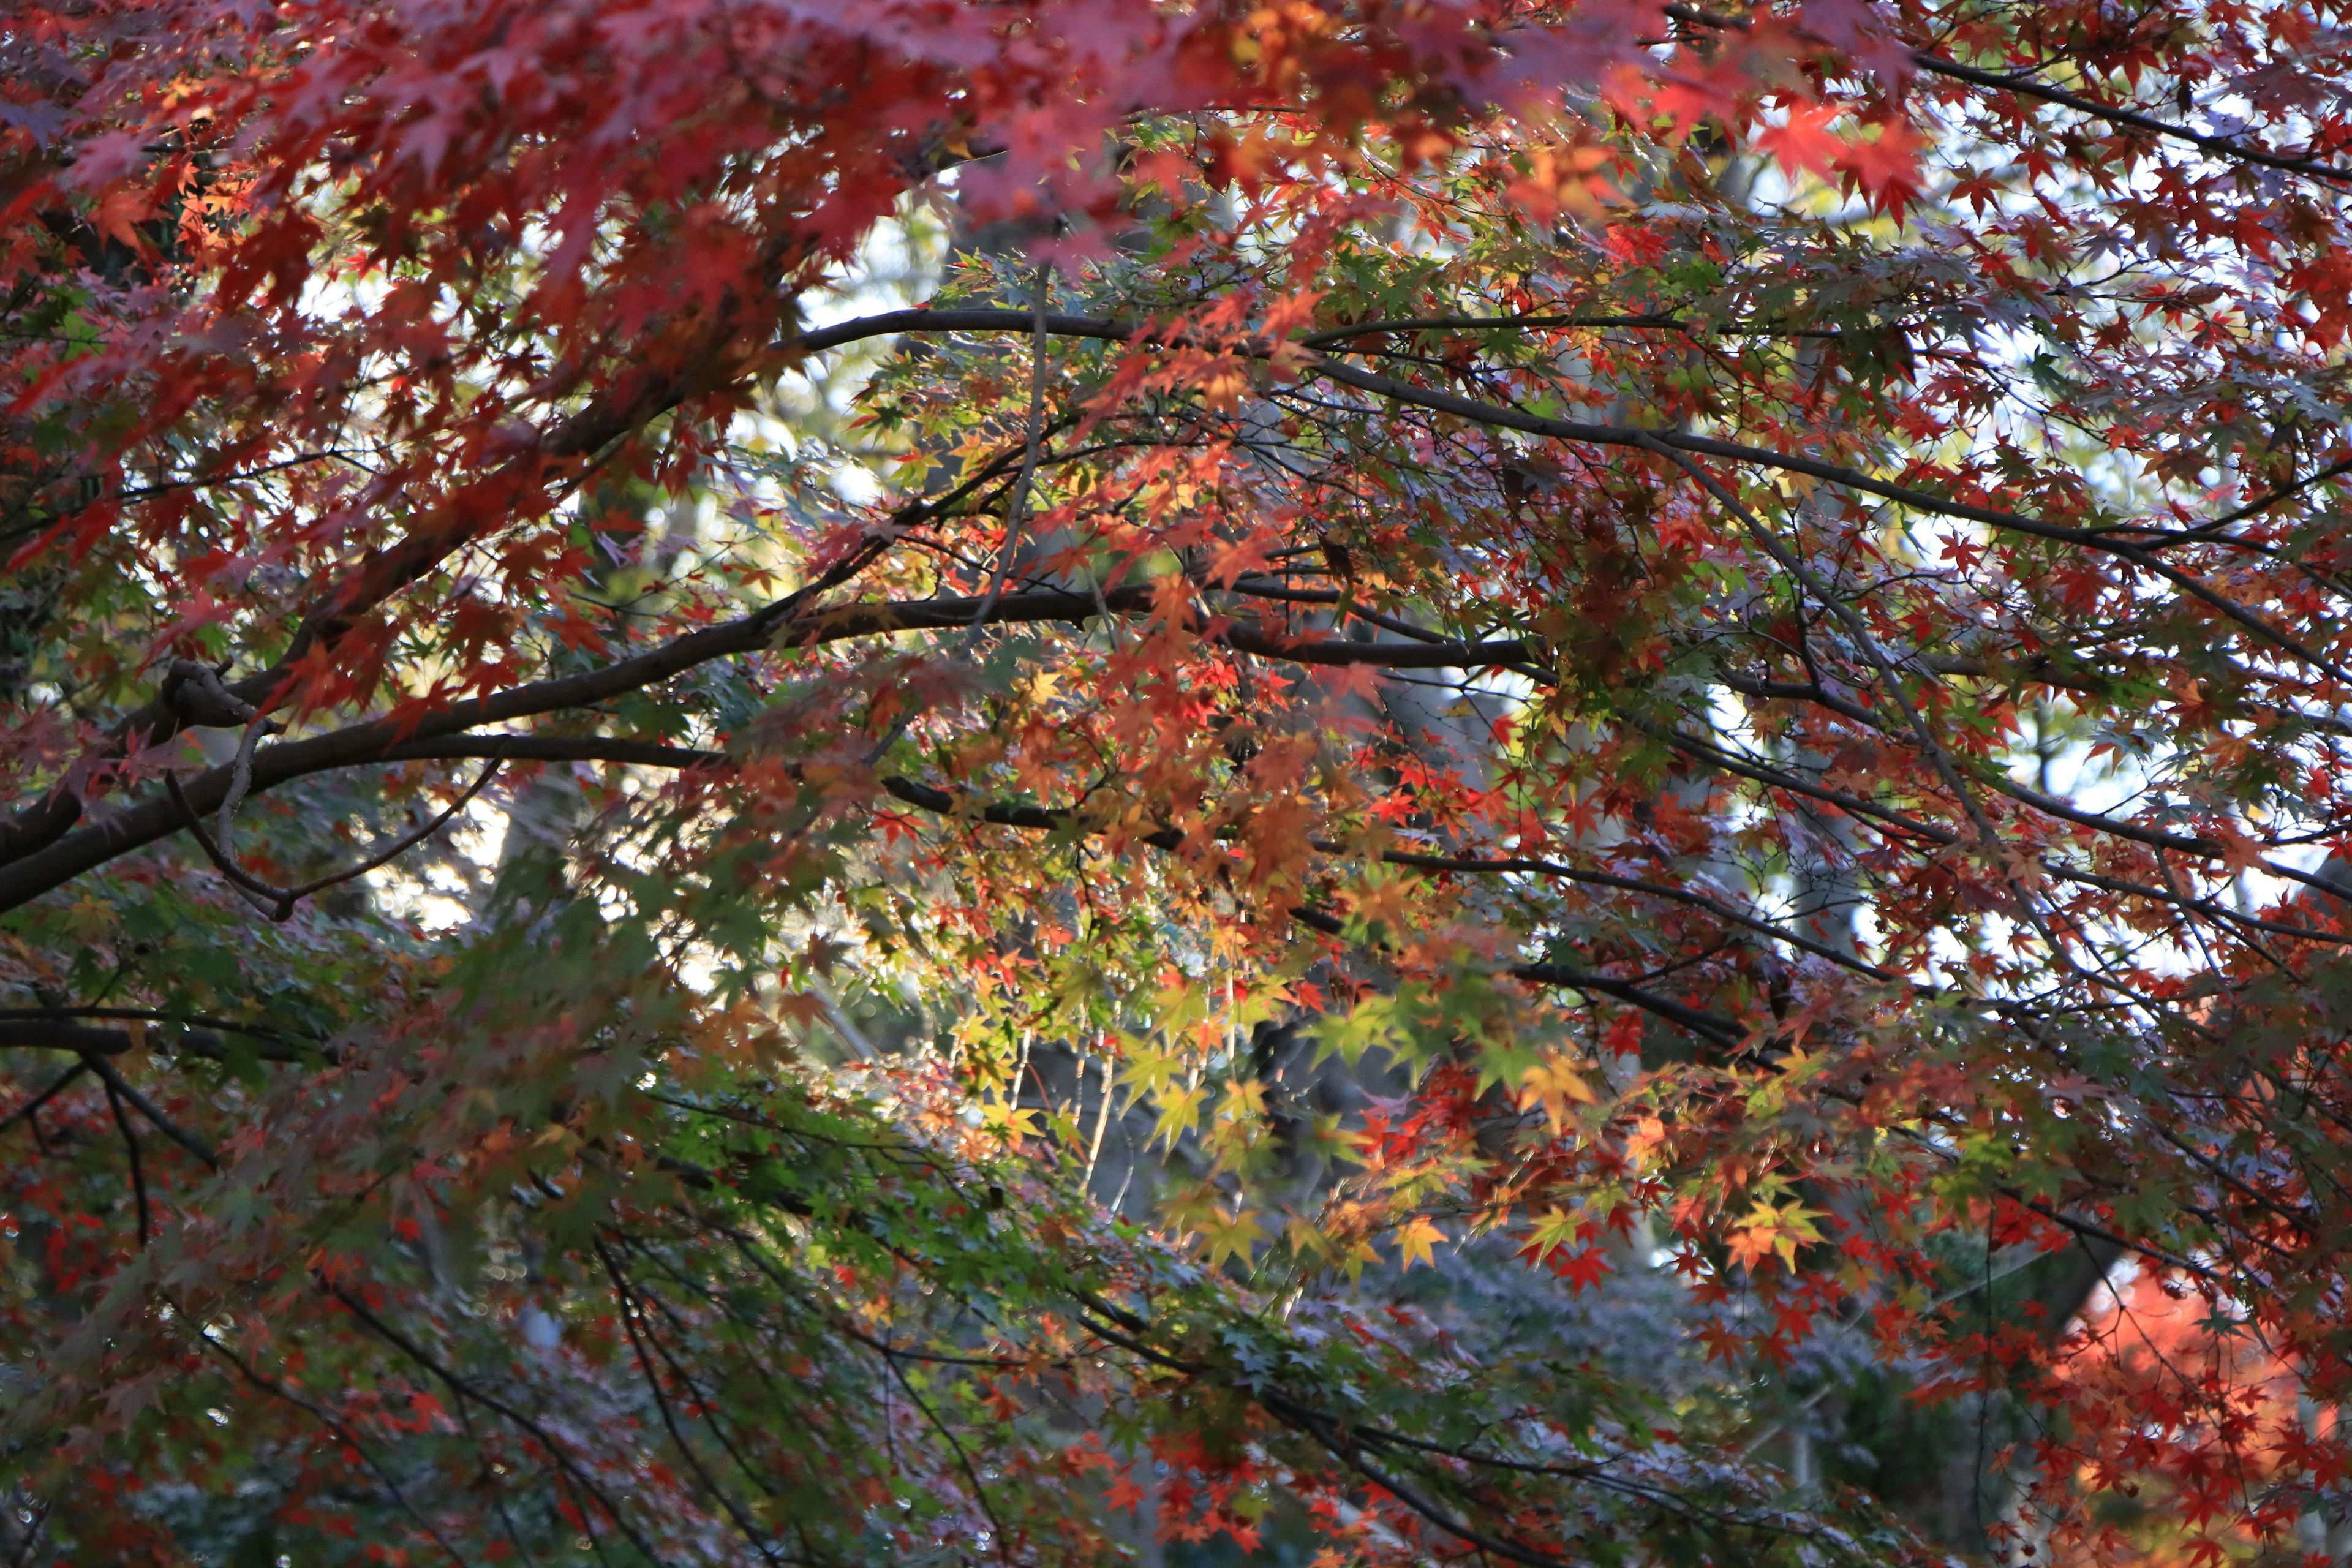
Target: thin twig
[(282, 900), (630, 1312), (350, 1440), (1016, 505), (463, 1388), (116, 1083), (137, 1170), (1004, 1541), (39, 1101)]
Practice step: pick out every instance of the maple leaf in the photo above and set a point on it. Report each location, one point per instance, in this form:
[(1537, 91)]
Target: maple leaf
[(89, 918), (1553, 1229), (1766, 1231), (1148, 1072), (1243, 1099), (2240, 853), (1556, 1086), (1416, 1238), (1803, 143), (1582, 1269), (806, 1008), (1179, 1109), (1885, 167), (1231, 1233), (1013, 1121), (530, 382)]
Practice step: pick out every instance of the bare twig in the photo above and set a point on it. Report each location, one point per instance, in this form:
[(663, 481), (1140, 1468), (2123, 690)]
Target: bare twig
[(630, 1313), (349, 1440), (574, 1474), (39, 1101), (116, 1084), (138, 1169), (281, 903), (1016, 506)]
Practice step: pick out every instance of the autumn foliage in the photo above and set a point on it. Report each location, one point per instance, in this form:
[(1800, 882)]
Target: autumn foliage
[(958, 781)]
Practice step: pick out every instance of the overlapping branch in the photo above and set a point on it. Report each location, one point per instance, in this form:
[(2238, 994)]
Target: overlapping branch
[(789, 623)]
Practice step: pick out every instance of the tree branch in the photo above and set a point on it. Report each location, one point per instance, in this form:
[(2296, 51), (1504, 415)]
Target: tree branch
[(2019, 82), (44, 1096), (1504, 416), (780, 624), (630, 1312), (2219, 146), (138, 1166), (29, 1034), (285, 899), (342, 1433), (116, 1083), (465, 1388)]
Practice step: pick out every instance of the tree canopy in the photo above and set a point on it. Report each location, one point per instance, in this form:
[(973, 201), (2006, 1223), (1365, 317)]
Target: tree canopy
[(1361, 783)]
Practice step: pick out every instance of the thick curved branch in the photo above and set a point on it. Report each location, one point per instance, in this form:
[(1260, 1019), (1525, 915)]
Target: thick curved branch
[(1503, 416), (949, 614), (193, 1033), (1490, 323), (993, 319), (28, 838), (780, 624), (1510, 419)]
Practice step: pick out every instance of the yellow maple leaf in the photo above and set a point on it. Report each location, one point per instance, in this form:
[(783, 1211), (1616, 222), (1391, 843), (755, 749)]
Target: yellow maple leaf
[(1148, 1071), (1415, 1239), (89, 920), (1554, 1084), (1016, 1121), (1180, 1113), (1231, 1234), (1766, 1230), (1193, 1208), (1243, 1097)]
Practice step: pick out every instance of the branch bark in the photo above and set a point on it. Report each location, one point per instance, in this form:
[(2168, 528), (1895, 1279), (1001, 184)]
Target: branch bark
[(779, 624)]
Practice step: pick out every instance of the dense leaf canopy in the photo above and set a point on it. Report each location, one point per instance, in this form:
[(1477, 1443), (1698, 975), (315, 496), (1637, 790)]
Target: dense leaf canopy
[(949, 781)]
